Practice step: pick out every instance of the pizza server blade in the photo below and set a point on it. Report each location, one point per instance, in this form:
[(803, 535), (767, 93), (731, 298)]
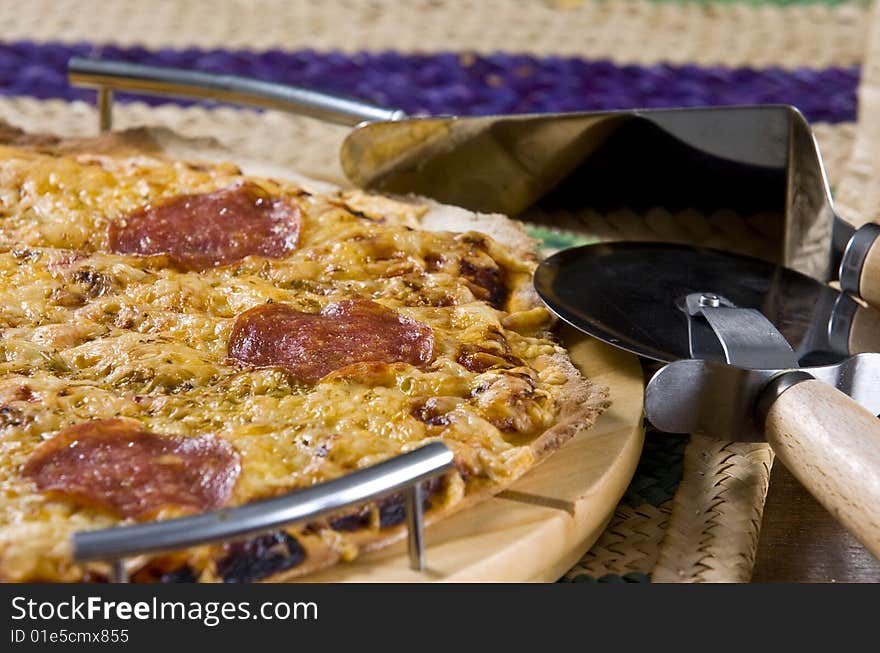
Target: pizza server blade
[(782, 357), (689, 158)]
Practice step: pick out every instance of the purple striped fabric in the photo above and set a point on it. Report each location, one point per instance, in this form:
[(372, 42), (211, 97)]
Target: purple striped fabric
[(462, 83)]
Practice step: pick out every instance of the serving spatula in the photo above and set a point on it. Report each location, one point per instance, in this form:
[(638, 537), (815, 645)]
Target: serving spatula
[(755, 160)]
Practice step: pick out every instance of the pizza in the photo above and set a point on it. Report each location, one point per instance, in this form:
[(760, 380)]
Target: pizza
[(178, 336)]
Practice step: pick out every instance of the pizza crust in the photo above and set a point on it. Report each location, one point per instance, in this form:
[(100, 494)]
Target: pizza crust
[(580, 401)]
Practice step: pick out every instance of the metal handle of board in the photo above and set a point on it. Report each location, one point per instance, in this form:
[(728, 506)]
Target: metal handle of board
[(109, 76), (405, 472)]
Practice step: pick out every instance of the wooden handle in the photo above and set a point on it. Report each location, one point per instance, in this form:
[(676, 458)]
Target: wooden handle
[(832, 445), (864, 331), (869, 282)]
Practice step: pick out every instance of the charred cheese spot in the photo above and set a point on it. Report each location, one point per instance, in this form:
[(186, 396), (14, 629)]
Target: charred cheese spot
[(260, 557), (184, 574), (511, 402), (435, 411), (171, 568), (358, 520), (92, 283), (488, 279), (392, 509), (479, 359), (12, 416), (434, 262), (66, 298)]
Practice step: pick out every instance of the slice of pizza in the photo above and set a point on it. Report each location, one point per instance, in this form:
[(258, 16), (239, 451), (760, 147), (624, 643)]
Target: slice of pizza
[(178, 336)]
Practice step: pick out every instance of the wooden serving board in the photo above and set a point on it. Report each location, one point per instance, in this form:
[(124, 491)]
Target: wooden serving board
[(541, 526)]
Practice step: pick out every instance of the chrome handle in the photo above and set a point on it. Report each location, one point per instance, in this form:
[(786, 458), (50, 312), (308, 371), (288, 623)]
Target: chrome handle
[(108, 76), (854, 255), (405, 472)]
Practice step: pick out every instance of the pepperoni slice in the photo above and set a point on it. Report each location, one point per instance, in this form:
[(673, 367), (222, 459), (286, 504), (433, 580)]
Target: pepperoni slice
[(201, 231), (311, 345), (118, 465)]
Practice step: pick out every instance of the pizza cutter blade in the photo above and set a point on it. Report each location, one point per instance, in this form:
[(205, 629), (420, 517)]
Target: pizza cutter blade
[(784, 365), (689, 158)]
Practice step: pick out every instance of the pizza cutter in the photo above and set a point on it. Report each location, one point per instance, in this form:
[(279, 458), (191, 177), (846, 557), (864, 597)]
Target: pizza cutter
[(752, 350), (694, 158)]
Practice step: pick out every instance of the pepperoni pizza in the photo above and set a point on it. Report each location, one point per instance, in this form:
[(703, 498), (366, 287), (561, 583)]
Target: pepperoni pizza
[(179, 336)]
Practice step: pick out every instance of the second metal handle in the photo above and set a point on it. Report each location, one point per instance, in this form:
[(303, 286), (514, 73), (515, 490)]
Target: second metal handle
[(108, 76), (405, 473)]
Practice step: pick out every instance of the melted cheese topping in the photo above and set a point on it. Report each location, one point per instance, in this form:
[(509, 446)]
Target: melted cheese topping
[(87, 334)]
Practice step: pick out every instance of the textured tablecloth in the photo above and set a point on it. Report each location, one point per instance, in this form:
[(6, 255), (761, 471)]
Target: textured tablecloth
[(693, 509)]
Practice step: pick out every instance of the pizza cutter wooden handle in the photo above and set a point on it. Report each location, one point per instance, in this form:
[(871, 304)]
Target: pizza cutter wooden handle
[(869, 281), (860, 264), (864, 331), (832, 445)]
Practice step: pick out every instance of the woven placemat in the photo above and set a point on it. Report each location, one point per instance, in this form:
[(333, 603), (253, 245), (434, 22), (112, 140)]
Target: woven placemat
[(625, 31), (693, 510), (858, 195)]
